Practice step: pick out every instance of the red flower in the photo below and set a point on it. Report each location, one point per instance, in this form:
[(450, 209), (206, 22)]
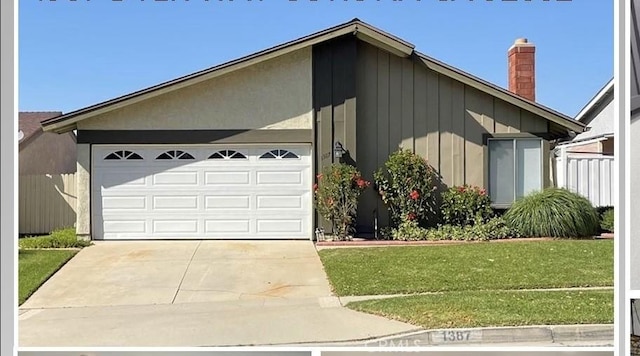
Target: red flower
[(362, 183), (461, 189), (411, 216), (315, 187), (483, 191), (414, 195), (319, 176)]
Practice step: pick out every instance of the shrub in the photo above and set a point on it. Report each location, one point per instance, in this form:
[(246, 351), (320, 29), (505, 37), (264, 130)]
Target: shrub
[(407, 184), (336, 196), (492, 229), (606, 220), (60, 238), (553, 212), (465, 205), (409, 230)]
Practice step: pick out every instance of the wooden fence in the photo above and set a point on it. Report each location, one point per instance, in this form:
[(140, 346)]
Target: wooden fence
[(46, 202)]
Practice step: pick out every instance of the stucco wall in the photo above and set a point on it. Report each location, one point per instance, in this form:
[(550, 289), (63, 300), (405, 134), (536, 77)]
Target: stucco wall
[(592, 147), (275, 94), (83, 179), (48, 153)]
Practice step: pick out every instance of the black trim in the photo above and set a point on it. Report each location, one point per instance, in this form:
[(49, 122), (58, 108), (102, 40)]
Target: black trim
[(194, 136)]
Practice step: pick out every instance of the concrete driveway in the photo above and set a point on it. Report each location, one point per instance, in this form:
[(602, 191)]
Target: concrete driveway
[(193, 293)]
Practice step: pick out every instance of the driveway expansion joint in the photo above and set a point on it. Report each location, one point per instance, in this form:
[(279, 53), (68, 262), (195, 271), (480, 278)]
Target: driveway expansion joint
[(185, 272)]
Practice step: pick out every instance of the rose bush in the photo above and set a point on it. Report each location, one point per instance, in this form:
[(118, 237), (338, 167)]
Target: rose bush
[(465, 205), (407, 185), (336, 194)]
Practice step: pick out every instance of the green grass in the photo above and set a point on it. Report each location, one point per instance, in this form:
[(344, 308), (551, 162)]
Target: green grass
[(36, 266), (466, 267), (62, 238), (490, 308)]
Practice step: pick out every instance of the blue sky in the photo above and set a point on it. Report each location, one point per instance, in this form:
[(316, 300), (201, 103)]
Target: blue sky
[(74, 54)]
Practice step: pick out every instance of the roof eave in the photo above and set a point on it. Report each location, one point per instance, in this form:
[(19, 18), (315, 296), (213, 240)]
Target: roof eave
[(384, 40), (602, 93)]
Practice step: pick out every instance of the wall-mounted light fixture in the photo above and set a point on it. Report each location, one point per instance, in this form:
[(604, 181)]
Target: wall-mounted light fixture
[(338, 150)]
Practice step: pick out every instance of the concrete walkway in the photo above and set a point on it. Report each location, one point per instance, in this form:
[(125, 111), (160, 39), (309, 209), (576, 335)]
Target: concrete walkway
[(193, 293)]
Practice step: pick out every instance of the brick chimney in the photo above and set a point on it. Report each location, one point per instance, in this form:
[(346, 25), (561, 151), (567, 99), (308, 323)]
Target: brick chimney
[(522, 69)]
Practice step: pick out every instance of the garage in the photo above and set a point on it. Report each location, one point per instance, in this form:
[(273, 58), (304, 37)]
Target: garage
[(201, 191)]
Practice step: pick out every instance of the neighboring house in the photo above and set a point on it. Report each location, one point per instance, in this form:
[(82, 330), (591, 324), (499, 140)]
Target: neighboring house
[(44, 152), (232, 151), (599, 117), (585, 164), (46, 185)]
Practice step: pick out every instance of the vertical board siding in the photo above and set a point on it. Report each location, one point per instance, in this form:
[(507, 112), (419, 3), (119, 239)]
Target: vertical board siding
[(590, 175), (334, 102), (457, 154), (382, 99), (402, 102), (408, 135), (477, 123), (46, 202), (395, 102), (445, 124), (433, 118), (420, 115), (506, 117), (367, 130)]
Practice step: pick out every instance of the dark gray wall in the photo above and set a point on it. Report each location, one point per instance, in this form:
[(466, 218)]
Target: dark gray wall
[(402, 103), (375, 102), (334, 101)]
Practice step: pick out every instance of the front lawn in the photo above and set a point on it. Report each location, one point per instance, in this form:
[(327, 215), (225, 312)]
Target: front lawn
[(492, 308), (36, 266), (469, 267)]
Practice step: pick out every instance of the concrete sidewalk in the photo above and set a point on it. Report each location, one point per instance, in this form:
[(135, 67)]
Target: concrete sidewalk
[(237, 323)]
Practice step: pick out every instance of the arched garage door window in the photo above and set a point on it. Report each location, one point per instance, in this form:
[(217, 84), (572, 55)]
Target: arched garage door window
[(279, 154), (175, 154), (227, 154), (122, 155)]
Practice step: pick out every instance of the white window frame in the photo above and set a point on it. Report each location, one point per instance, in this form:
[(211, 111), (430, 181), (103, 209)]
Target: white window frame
[(514, 141)]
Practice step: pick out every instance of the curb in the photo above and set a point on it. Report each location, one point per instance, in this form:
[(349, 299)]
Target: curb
[(550, 334)]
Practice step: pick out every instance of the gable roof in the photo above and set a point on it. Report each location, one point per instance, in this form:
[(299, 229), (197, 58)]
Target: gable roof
[(29, 123), (586, 114), (598, 115), (355, 27)]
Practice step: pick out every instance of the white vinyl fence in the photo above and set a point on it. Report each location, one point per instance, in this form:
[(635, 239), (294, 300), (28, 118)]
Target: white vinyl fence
[(588, 174), (46, 202)]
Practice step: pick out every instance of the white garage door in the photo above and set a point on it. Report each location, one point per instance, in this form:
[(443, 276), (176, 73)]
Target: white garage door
[(201, 192)]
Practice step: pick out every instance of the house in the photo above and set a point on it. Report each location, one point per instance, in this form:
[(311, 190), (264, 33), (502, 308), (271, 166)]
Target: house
[(598, 116), (585, 163), (46, 184), (232, 151), (44, 152)]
